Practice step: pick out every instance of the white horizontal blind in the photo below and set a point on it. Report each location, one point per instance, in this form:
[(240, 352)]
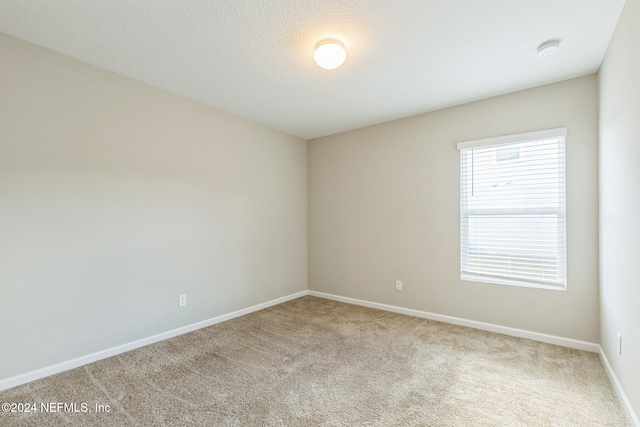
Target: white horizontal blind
[(513, 209)]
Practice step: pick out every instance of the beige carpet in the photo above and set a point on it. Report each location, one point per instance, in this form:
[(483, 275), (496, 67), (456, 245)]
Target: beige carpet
[(315, 362)]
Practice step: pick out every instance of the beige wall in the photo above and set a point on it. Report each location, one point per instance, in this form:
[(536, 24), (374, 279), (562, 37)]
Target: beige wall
[(620, 201), (384, 206), (116, 197)]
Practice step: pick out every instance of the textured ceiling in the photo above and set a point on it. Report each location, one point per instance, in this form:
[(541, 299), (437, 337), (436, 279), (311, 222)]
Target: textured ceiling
[(254, 58)]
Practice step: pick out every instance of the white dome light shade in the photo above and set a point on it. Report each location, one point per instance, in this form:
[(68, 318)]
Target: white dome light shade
[(330, 54)]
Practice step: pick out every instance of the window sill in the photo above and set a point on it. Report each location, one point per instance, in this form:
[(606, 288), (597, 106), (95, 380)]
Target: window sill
[(510, 282)]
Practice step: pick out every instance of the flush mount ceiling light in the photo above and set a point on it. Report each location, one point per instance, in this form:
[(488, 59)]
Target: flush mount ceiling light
[(548, 48), (330, 54)]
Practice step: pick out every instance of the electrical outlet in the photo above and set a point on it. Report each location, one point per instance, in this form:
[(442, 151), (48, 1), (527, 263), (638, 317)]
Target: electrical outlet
[(619, 344), (182, 301), (398, 285)]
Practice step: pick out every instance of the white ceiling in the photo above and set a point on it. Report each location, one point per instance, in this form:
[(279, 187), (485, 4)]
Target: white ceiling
[(254, 58)]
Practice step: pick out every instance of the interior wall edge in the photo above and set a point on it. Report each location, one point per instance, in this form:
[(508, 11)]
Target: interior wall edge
[(490, 327)]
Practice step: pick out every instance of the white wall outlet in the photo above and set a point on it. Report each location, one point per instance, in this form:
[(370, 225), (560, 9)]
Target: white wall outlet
[(182, 301), (619, 344), (398, 285)]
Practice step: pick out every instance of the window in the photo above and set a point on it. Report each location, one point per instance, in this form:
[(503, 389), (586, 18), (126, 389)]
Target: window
[(512, 209)]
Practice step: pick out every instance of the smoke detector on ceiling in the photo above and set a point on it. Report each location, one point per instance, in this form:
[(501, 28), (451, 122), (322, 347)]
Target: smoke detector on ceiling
[(548, 48)]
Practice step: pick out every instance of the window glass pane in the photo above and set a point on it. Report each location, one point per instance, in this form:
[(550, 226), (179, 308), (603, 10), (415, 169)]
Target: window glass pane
[(512, 211), (507, 152)]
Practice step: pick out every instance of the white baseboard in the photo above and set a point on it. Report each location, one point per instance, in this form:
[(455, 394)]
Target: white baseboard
[(536, 336), (551, 339), (103, 354), (619, 390)]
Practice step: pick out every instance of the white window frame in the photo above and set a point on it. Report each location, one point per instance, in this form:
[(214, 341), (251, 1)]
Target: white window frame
[(466, 273)]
